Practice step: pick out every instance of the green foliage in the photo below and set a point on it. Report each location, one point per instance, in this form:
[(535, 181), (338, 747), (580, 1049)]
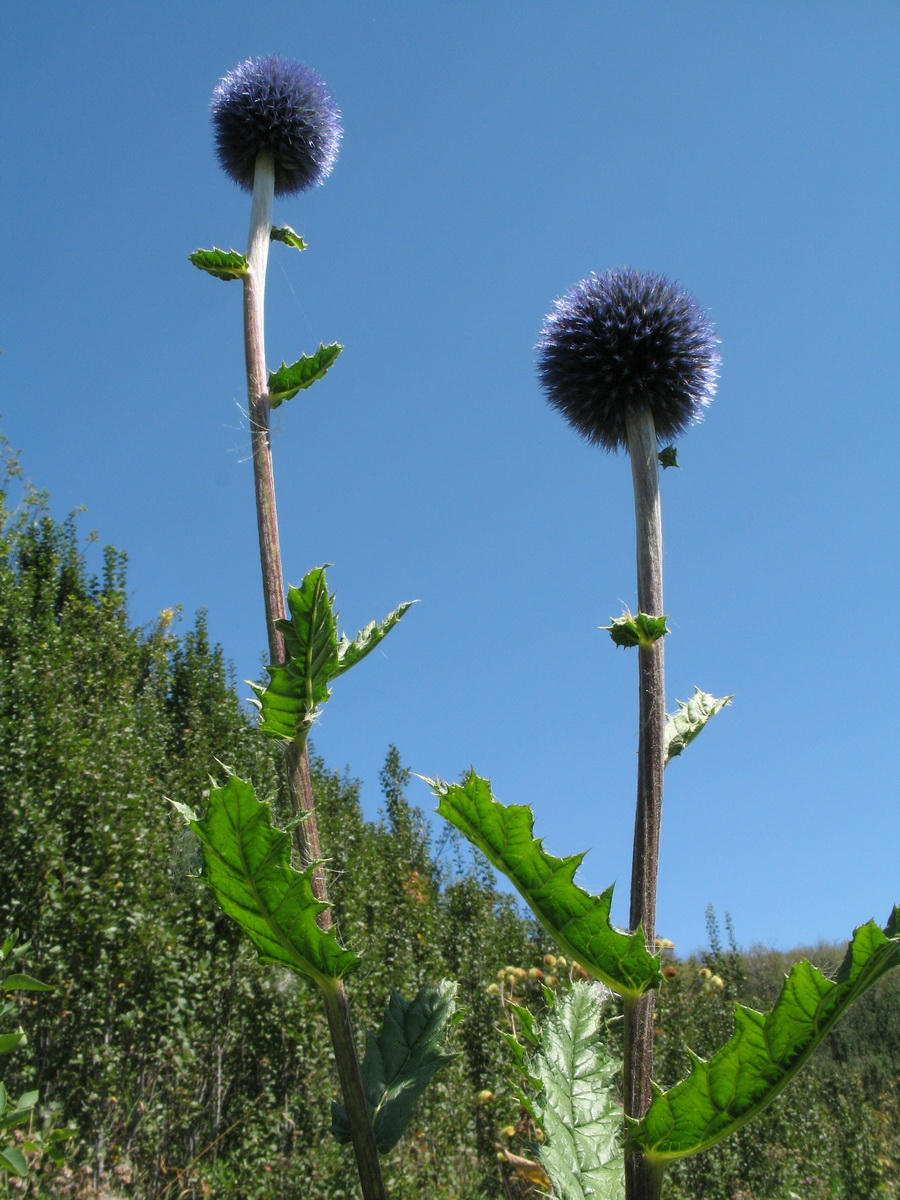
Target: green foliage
[(221, 264), (764, 1052), (641, 630), (315, 655), (153, 1042), (576, 1105), (577, 921), (690, 720), (287, 381), (401, 1061), (247, 863), (284, 233), (831, 1134), (668, 457)]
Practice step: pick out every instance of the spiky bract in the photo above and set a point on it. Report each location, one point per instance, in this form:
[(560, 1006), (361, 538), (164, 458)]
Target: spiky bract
[(623, 342), (282, 108)]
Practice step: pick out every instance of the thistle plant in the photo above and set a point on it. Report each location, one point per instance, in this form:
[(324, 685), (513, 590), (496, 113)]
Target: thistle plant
[(630, 361), (277, 132)]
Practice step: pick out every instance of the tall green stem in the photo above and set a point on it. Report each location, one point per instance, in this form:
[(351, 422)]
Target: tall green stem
[(641, 1181), (305, 832)]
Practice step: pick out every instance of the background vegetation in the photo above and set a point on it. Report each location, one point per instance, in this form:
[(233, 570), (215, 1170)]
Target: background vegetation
[(188, 1070)]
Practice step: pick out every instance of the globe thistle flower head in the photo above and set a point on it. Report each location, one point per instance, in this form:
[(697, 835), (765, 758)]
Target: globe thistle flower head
[(624, 342), (282, 108)]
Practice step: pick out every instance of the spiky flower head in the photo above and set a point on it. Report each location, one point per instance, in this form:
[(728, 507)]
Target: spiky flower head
[(282, 108), (624, 342)]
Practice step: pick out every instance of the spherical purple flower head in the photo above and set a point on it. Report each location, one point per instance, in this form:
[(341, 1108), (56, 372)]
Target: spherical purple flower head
[(623, 342), (282, 108)]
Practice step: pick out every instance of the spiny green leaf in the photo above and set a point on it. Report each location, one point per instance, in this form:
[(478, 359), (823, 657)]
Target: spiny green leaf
[(287, 381), (684, 725), (314, 656), (223, 264), (576, 1106), (668, 457), (248, 866), (24, 983), (765, 1051), (641, 630), (400, 1062), (284, 233), (578, 921)]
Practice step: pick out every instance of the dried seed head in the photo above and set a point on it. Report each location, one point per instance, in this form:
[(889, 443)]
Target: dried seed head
[(280, 108), (621, 343)]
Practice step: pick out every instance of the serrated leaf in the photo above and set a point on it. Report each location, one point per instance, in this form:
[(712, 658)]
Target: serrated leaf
[(223, 264), (287, 381), (578, 921), (284, 233), (765, 1051), (576, 1106), (248, 866), (314, 655), (684, 725), (11, 1160), (641, 630), (24, 983), (668, 457), (400, 1062)]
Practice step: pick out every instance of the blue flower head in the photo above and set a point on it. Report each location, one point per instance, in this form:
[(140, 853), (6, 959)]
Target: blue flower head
[(619, 343), (282, 108)]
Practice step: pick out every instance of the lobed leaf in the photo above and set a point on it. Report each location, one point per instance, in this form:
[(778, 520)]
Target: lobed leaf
[(247, 863), (690, 719), (400, 1062), (765, 1051), (314, 655), (577, 1107), (287, 381), (578, 921), (284, 233), (223, 264)]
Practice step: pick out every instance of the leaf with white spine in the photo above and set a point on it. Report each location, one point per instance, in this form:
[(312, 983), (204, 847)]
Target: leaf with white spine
[(690, 720), (576, 1106)]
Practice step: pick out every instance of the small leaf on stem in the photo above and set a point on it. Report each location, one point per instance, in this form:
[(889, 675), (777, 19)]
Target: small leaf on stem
[(287, 381), (284, 233), (641, 630), (690, 719), (223, 264), (668, 457)]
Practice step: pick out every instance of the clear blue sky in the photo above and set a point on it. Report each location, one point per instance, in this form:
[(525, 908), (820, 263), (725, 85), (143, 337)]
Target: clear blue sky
[(494, 154)]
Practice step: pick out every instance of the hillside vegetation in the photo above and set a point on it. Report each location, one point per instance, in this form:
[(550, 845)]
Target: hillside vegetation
[(189, 1070)]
